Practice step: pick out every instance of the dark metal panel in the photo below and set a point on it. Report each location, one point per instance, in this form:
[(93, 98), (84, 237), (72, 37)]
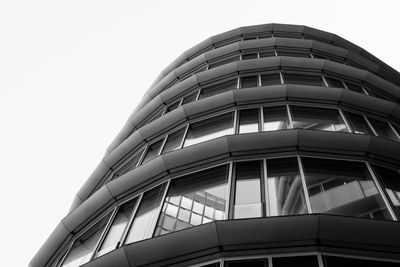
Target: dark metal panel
[(256, 65), (199, 47), (384, 150), (224, 50), (219, 72), (188, 66), (209, 105), (257, 44), (116, 258), (179, 88), (318, 33), (226, 35), (263, 94), (137, 117), (256, 28), (314, 94), (302, 63), (330, 49), (344, 70), (293, 43), (277, 27)]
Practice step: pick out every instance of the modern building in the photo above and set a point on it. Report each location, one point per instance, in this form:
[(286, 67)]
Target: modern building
[(269, 145)]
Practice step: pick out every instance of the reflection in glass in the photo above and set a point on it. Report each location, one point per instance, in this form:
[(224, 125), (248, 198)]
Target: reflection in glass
[(153, 150), (146, 214), (270, 79), (193, 200), (267, 53), (285, 190), (312, 118), (383, 129), (333, 261), (391, 183), (248, 202), (303, 78), (356, 87), (248, 81), (358, 123), (128, 166), (248, 121), (306, 261), (218, 88), (117, 228), (334, 82), (172, 107), (83, 247), (292, 53), (174, 140), (343, 188), (189, 98), (275, 118), (247, 263), (209, 129), (249, 56)]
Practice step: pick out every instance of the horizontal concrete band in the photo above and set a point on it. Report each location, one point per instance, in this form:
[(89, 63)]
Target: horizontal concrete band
[(277, 28), (220, 150), (262, 236)]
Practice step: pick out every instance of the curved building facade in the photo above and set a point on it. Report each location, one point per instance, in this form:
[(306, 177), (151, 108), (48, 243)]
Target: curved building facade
[(271, 145)]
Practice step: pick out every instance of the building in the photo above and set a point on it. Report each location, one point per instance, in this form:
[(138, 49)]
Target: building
[(270, 145)]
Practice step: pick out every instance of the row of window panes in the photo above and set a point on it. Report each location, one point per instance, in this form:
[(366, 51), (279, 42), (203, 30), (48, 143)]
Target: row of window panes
[(246, 189), (306, 260), (270, 118), (266, 79)]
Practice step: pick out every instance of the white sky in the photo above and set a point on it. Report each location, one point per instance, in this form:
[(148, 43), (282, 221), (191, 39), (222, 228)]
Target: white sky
[(71, 73)]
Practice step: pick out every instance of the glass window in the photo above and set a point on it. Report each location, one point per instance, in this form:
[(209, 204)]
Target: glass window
[(270, 79), (189, 98), (114, 234), (306, 261), (292, 53), (249, 81), (146, 214), (383, 129), (314, 79), (224, 61), (285, 190), (215, 264), (248, 202), (313, 118), (333, 261), (172, 106), (391, 182), (174, 140), (209, 129), (153, 150), (218, 88), (248, 120), (247, 263), (267, 53), (194, 199), (334, 82), (83, 247), (128, 166), (358, 123), (353, 86), (275, 118), (344, 188), (249, 56)]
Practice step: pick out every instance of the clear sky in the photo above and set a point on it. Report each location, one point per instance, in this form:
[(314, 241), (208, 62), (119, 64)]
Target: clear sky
[(71, 73)]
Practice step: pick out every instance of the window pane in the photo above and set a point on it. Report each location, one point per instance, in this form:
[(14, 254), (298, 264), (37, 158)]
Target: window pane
[(331, 261), (193, 198), (117, 228), (285, 189), (216, 264), (391, 183), (358, 123), (275, 118), (292, 53), (324, 119), (218, 88), (223, 61), (306, 261), (356, 87), (270, 79), (172, 107), (153, 150), (248, 81), (267, 53), (383, 129), (189, 98), (334, 82), (209, 129), (247, 263), (146, 214), (174, 140), (248, 121), (249, 56), (303, 78), (128, 166), (84, 246), (248, 202), (344, 188)]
